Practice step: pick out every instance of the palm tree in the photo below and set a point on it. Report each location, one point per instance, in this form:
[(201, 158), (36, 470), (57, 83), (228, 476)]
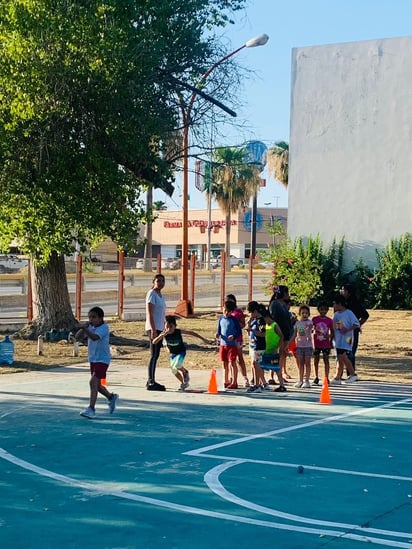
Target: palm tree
[(278, 162), (234, 182)]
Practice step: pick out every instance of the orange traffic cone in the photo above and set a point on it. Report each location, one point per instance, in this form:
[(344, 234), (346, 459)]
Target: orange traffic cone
[(325, 395), (212, 389)]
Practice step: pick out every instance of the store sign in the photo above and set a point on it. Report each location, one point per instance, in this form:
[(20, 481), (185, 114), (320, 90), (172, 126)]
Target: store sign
[(196, 223), (247, 221)]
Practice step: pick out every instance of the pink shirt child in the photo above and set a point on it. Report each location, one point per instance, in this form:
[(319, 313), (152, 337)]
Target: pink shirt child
[(304, 333), (323, 326)]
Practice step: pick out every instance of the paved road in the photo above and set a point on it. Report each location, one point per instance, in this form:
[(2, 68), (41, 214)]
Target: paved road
[(207, 294)]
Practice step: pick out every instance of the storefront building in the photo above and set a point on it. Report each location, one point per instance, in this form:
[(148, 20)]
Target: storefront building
[(167, 232)]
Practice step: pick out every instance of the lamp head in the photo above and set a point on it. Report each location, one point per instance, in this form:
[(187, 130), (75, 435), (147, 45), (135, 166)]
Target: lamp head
[(260, 40)]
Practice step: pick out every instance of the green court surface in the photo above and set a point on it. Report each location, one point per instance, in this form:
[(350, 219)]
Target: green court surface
[(197, 470)]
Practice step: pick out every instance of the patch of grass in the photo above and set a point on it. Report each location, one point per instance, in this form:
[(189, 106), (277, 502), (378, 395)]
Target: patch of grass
[(385, 350)]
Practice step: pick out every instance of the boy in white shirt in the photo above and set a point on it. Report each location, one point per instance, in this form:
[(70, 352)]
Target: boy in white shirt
[(344, 323)]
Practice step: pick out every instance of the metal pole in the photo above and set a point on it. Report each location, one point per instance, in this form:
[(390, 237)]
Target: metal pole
[(184, 307), (79, 273), (120, 296), (223, 278), (252, 244), (209, 227), (192, 279)]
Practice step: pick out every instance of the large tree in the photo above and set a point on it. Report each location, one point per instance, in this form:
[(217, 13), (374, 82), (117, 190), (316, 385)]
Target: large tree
[(87, 102), (234, 181)]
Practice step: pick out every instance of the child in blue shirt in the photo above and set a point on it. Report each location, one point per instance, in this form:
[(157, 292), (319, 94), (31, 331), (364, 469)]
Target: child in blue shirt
[(228, 331), (256, 328)]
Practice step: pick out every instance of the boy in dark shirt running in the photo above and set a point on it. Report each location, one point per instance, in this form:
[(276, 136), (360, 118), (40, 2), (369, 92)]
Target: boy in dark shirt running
[(177, 349)]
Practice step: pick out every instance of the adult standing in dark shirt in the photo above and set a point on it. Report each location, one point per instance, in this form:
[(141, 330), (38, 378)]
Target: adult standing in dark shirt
[(352, 302), (279, 311)]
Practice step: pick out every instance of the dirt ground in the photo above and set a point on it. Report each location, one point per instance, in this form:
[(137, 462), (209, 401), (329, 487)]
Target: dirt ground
[(384, 354)]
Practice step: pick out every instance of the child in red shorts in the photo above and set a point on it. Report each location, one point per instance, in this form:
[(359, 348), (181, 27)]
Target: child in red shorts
[(228, 332), (98, 334)]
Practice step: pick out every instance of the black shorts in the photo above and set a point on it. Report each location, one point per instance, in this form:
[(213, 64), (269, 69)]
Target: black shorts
[(342, 352), (325, 352)]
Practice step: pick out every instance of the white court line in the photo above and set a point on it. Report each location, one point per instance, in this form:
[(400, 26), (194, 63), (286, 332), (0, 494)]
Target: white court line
[(212, 480), (12, 411), (101, 490), (212, 476), (310, 467), (200, 451)]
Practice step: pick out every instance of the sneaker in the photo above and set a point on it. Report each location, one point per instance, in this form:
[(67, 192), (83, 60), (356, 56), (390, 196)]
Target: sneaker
[(155, 387), (232, 386), (298, 384), (186, 378), (251, 389), (306, 384), (272, 382), (267, 387), (280, 389), (257, 389), (316, 381), (113, 403), (335, 381), (89, 413), (351, 379), (182, 388)]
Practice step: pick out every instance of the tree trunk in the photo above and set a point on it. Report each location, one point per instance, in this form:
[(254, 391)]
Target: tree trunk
[(148, 249), (51, 299)]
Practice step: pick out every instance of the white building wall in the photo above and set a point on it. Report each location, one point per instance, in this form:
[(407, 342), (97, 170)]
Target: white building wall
[(350, 172)]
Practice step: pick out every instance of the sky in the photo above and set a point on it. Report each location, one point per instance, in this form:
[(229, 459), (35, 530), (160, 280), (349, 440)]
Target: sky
[(266, 94)]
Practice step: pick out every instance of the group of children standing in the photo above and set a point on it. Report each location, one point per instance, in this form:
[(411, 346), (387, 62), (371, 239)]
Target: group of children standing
[(268, 340), (269, 343), (317, 336), (307, 338)]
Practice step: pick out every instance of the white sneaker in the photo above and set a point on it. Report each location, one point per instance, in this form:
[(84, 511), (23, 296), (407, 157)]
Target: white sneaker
[(89, 413), (351, 379), (335, 381), (298, 384), (306, 385)]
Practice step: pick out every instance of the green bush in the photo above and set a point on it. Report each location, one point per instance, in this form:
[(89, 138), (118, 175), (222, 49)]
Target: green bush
[(315, 274), (392, 282)]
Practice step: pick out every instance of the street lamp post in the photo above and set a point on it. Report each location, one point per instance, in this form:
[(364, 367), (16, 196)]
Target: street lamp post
[(184, 306)]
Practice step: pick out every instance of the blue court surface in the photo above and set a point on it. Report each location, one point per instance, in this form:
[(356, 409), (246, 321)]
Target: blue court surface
[(197, 470)]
